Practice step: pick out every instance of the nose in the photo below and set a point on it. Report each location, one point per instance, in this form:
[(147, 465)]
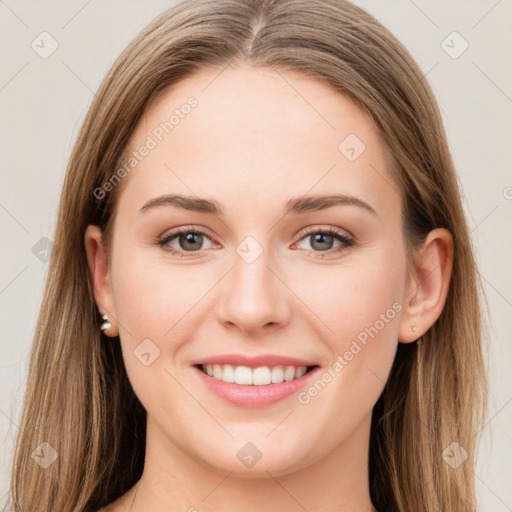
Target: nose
[(253, 298)]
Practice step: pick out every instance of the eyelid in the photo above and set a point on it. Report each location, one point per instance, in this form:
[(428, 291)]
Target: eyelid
[(186, 229), (310, 229), (326, 229), (163, 241), (347, 240)]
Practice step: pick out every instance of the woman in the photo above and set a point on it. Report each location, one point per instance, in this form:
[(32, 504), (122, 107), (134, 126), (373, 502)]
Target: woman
[(263, 294)]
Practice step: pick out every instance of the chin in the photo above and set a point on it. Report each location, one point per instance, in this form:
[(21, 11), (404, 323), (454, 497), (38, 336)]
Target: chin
[(251, 460)]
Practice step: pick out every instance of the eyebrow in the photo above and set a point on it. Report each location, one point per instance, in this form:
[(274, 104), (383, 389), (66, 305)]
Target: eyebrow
[(296, 206)]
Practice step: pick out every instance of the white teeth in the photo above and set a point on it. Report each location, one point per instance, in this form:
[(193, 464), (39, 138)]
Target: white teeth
[(261, 376), (243, 375), (228, 373), (217, 371), (277, 374), (300, 371), (289, 373)]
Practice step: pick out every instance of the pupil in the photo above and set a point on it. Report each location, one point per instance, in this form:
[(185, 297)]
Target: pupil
[(321, 238), (189, 239)]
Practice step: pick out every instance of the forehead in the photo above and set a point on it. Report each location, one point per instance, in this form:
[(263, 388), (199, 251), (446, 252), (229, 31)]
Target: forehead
[(256, 134)]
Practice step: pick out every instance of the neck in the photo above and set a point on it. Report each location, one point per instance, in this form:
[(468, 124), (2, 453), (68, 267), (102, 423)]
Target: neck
[(174, 480)]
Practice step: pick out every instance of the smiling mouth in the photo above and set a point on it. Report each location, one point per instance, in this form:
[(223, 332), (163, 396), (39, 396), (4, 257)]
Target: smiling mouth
[(260, 376)]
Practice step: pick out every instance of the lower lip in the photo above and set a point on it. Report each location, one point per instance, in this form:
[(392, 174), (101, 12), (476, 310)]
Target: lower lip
[(251, 395)]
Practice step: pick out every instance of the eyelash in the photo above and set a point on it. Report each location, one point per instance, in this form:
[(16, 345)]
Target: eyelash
[(345, 240)]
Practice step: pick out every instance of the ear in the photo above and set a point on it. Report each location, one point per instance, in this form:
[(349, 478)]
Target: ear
[(427, 285), (98, 266)]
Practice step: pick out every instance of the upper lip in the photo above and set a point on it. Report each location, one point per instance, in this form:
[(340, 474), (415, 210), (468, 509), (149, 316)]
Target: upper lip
[(254, 361)]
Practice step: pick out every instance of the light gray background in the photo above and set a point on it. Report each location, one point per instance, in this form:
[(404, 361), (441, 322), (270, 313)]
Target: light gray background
[(43, 102)]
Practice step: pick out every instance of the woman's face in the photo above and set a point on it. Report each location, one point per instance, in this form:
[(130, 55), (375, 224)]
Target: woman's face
[(273, 270)]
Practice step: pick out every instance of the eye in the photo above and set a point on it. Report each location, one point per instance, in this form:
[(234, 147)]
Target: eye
[(186, 240), (322, 240)]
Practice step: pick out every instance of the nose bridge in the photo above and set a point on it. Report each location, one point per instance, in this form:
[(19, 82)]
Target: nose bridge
[(253, 297)]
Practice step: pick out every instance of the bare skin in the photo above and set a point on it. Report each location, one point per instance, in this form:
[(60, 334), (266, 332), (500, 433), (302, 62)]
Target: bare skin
[(252, 143)]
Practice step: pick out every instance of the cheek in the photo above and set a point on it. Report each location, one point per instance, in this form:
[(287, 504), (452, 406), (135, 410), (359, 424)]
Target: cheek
[(153, 295), (359, 307), (354, 295), (362, 307), (153, 304)]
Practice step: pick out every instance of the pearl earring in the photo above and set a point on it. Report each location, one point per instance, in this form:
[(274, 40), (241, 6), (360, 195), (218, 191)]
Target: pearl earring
[(107, 328), (414, 328), (106, 323)]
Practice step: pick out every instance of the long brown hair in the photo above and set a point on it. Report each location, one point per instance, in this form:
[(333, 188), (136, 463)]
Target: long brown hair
[(78, 398)]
